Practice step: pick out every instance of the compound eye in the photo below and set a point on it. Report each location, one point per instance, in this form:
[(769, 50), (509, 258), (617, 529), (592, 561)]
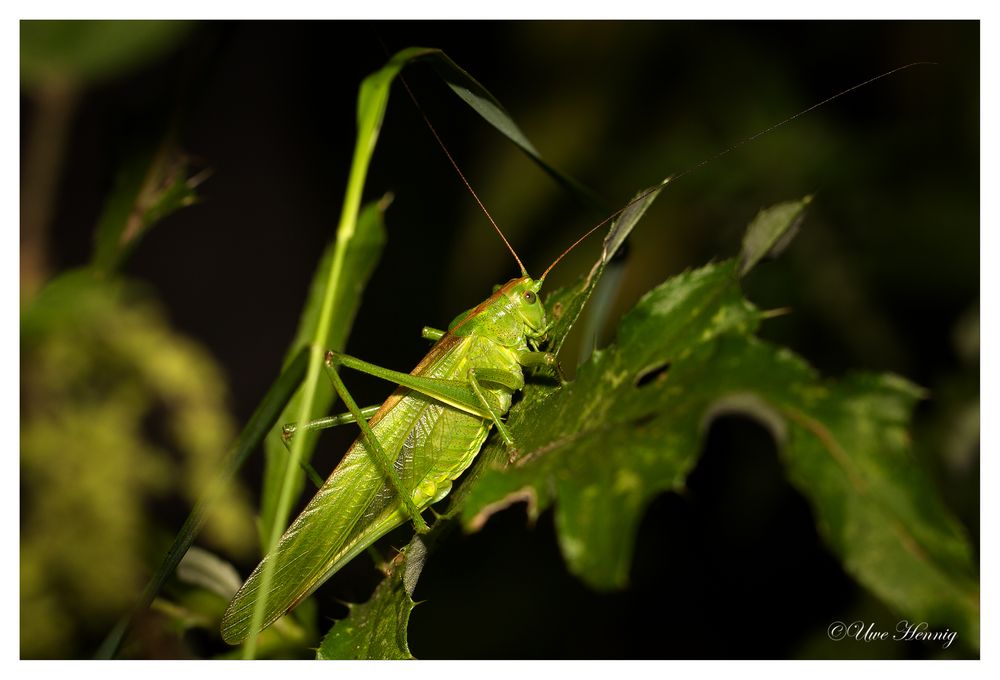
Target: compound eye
[(529, 297)]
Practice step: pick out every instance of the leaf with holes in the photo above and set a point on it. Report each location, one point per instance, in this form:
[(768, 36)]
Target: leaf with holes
[(630, 427)]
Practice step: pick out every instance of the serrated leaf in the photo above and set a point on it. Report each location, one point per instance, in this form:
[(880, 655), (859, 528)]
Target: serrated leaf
[(377, 628), (630, 427), (373, 630), (597, 445)]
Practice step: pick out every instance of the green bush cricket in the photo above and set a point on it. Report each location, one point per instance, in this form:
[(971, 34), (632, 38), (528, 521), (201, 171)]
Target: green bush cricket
[(434, 424), (420, 440)]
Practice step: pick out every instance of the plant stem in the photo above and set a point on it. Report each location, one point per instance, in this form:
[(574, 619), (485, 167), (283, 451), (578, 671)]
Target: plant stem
[(56, 103)]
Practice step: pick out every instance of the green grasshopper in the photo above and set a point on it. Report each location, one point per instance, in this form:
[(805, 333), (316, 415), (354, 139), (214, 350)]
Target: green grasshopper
[(422, 438), (434, 425), (412, 447)]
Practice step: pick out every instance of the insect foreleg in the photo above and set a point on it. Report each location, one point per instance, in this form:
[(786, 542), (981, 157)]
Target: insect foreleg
[(547, 359), (377, 452), (289, 430), (500, 377), (306, 467)]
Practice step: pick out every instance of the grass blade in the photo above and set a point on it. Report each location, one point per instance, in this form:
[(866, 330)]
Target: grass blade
[(373, 98)]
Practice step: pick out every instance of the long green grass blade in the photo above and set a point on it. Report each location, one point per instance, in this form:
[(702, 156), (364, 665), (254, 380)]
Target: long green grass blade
[(373, 98), (332, 304), (363, 252)]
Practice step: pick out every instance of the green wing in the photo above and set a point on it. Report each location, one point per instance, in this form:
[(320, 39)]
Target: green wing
[(432, 443)]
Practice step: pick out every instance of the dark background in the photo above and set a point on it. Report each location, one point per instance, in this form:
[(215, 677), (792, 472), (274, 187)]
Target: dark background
[(884, 271)]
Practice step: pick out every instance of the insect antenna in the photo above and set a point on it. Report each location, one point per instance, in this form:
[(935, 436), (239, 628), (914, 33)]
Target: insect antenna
[(413, 98), (727, 151), (607, 219)]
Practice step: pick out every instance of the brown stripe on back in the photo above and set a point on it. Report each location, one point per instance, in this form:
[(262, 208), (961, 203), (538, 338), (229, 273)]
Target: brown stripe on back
[(486, 303)]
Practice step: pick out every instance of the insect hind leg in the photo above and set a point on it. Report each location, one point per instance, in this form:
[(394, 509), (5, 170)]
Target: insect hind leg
[(374, 447)]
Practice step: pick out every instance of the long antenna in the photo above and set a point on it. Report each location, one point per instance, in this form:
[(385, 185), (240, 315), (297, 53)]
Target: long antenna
[(524, 272), (727, 151), (607, 219)]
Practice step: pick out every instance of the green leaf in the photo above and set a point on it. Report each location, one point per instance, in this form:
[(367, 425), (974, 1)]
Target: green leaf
[(377, 628), (598, 442), (771, 231), (630, 427), (333, 290), (482, 101), (849, 453)]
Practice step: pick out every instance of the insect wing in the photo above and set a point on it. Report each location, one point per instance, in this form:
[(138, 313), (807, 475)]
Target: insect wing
[(431, 444)]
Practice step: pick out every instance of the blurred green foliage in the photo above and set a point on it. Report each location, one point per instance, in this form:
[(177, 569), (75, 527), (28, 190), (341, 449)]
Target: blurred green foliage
[(121, 414), (119, 410), (84, 52)]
